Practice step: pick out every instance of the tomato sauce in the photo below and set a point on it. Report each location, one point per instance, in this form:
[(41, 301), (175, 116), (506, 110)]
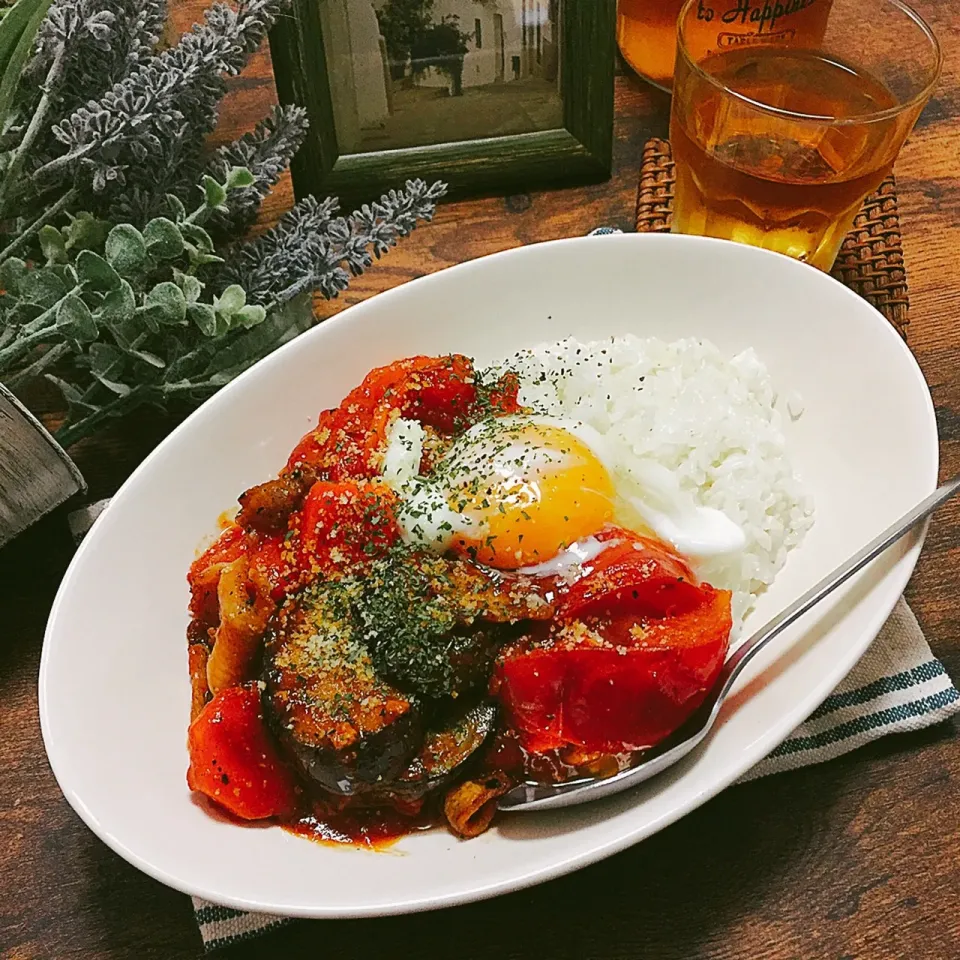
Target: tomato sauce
[(373, 829)]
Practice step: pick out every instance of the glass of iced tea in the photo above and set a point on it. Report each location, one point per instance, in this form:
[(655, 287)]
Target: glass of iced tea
[(647, 37), (647, 29), (777, 138)]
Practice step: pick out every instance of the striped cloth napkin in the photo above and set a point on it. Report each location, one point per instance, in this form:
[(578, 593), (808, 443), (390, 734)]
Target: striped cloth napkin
[(898, 686)]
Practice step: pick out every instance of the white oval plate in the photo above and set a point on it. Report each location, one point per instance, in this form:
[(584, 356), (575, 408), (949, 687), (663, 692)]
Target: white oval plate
[(114, 693)]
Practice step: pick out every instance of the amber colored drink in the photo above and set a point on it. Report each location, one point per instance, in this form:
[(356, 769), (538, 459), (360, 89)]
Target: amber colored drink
[(647, 29), (647, 36), (768, 178)]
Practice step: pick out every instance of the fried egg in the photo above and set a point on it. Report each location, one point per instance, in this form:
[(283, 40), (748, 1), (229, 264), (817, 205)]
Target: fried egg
[(521, 491), (510, 492)]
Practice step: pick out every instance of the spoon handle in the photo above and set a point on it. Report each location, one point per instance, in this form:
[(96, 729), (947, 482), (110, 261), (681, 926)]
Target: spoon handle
[(751, 647)]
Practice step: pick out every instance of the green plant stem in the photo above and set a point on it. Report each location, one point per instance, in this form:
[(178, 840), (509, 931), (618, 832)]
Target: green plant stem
[(199, 215), (70, 433), (42, 322), (58, 163), (41, 221), (39, 365), (37, 123), (22, 346)]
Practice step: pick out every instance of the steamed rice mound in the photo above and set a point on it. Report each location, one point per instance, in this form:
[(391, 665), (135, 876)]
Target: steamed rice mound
[(711, 420)]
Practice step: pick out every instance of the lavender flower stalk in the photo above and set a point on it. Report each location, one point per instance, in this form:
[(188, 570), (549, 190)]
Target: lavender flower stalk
[(313, 249), (266, 153), (153, 102)]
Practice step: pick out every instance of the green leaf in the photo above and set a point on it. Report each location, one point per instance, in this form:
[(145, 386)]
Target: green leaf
[(86, 232), (121, 331), (15, 21), (167, 303), (12, 272), (72, 395), (239, 177), (176, 206), (149, 318), (197, 236), (163, 238), (52, 244), (250, 315), (189, 284), (75, 319), (231, 300), (103, 358), (118, 305), (18, 30), (204, 317), (214, 193), (42, 286), (125, 249), (65, 272), (120, 389), (95, 272), (151, 359)]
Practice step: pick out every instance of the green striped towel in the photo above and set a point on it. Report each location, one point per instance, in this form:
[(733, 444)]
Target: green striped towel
[(898, 686)]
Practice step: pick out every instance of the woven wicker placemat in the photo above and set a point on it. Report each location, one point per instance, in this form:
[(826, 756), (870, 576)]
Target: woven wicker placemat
[(871, 258)]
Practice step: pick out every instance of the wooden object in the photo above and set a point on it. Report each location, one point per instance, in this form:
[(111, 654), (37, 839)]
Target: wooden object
[(858, 858), (578, 152), (36, 474), (870, 261)]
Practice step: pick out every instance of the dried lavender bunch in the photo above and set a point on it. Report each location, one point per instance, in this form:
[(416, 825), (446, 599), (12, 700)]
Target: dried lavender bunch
[(122, 297), (313, 249), (169, 96), (101, 42), (102, 104), (82, 48)]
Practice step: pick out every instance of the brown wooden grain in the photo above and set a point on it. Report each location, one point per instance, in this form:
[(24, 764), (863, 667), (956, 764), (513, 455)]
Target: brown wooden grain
[(859, 858)]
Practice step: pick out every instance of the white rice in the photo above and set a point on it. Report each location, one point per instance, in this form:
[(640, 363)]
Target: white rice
[(711, 420)]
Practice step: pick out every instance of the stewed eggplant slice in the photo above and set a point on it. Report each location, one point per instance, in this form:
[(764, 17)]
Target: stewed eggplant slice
[(447, 746), (347, 728)]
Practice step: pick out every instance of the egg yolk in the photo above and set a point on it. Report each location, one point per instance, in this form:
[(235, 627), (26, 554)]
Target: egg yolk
[(533, 491)]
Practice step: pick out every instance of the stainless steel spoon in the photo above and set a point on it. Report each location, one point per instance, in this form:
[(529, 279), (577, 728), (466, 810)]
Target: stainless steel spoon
[(540, 796)]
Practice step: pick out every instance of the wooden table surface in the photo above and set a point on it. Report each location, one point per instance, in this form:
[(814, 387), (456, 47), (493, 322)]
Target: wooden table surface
[(857, 858)]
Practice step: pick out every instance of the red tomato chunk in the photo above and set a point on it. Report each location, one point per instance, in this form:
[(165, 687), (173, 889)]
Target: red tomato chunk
[(233, 760), (343, 526), (639, 645), (349, 441)]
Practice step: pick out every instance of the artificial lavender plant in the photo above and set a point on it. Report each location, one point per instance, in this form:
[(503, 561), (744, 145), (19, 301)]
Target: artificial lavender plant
[(124, 276)]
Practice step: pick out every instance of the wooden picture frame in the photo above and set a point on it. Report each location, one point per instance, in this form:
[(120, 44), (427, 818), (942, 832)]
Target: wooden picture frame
[(577, 152)]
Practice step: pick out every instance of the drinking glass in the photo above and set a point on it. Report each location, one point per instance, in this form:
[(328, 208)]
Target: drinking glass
[(647, 37), (647, 29), (778, 135)]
